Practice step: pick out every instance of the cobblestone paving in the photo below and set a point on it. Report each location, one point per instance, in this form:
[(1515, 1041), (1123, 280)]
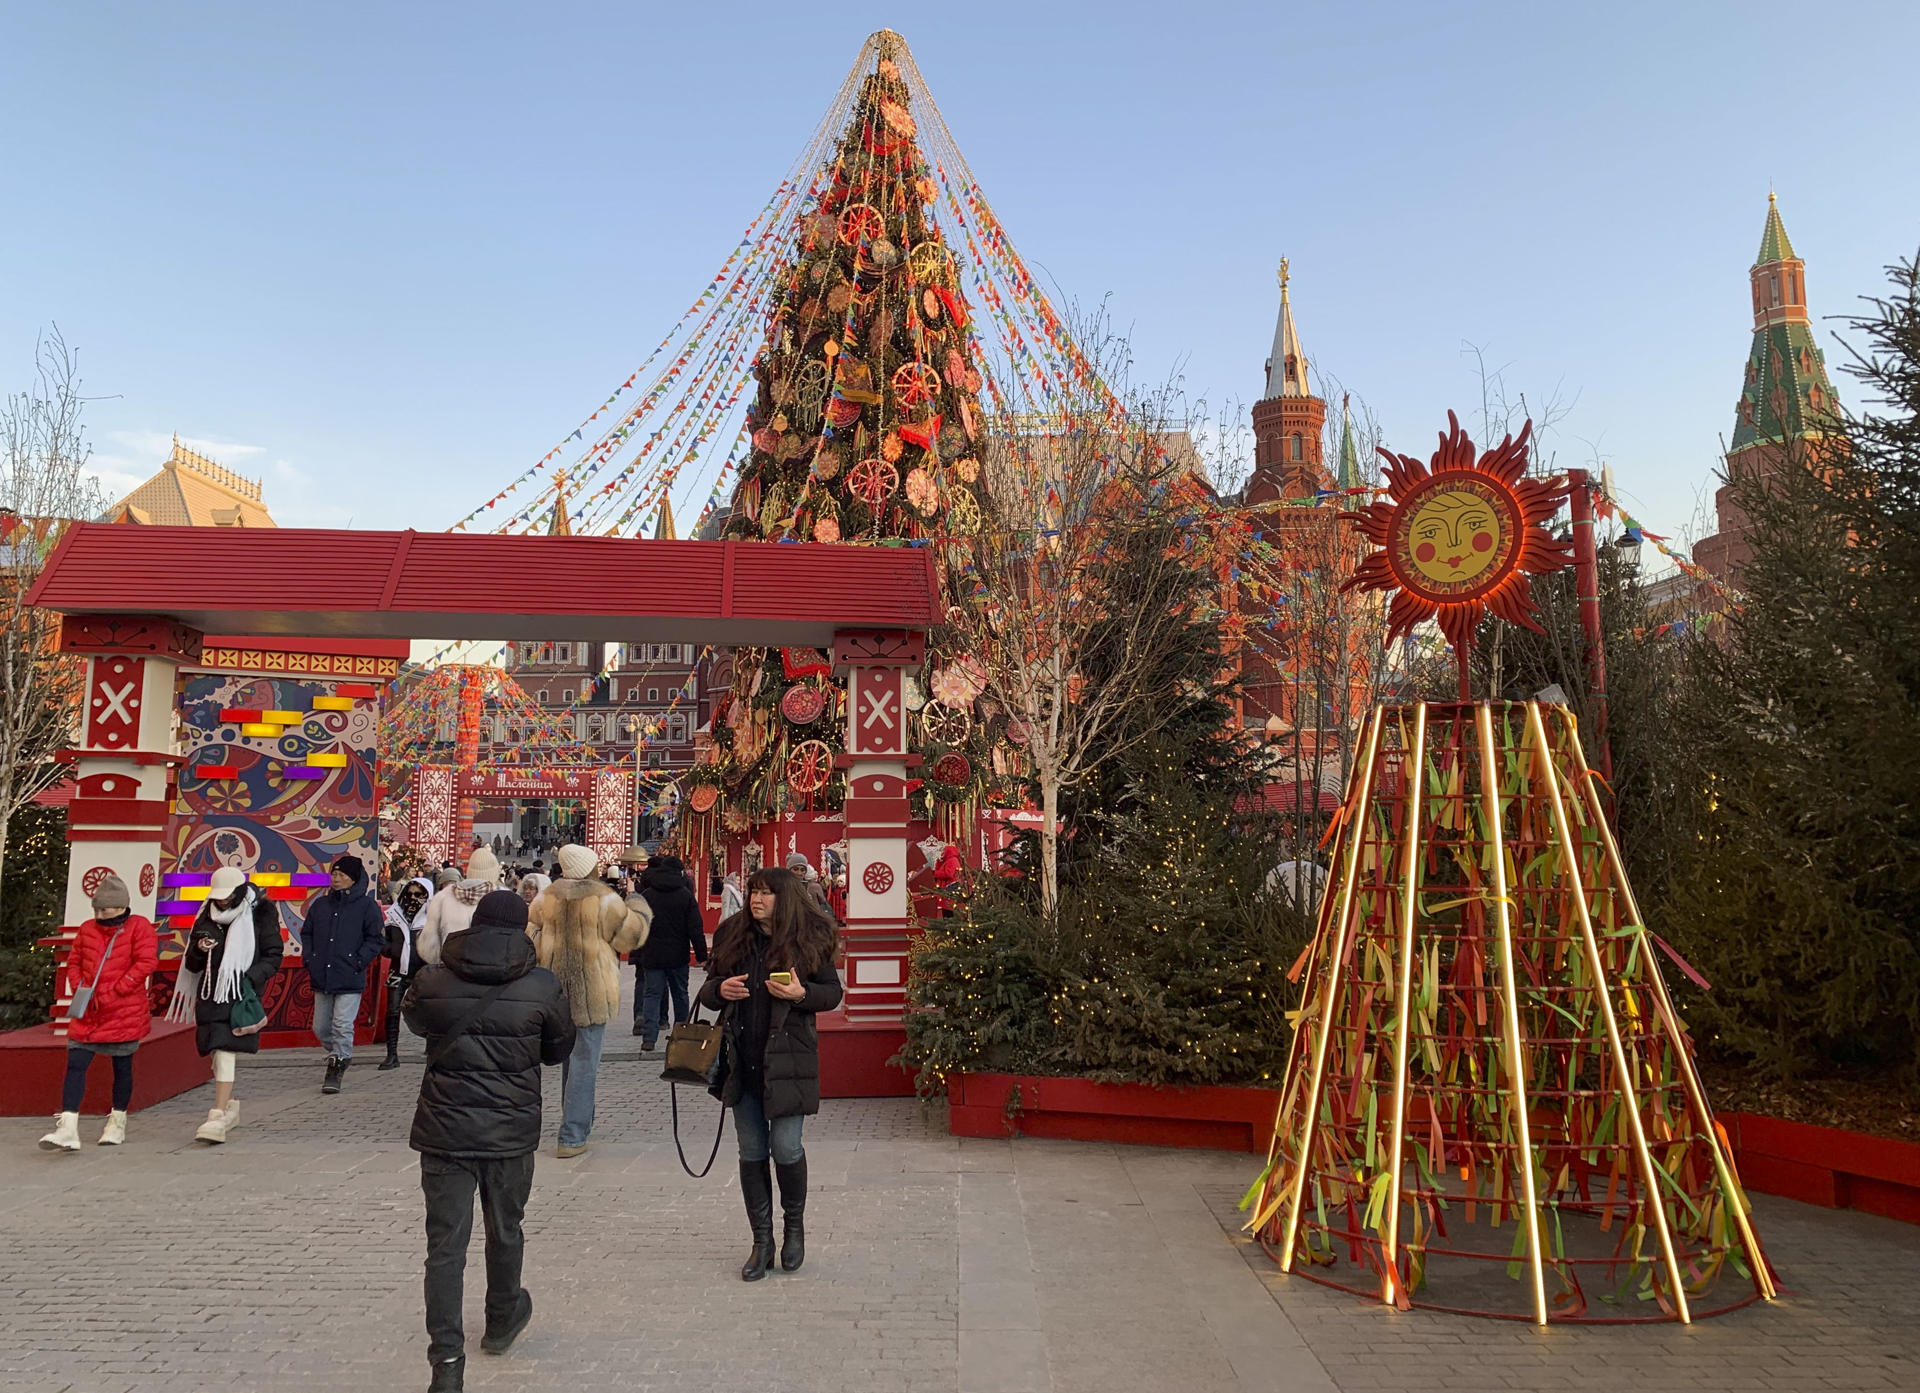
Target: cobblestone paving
[(290, 1259)]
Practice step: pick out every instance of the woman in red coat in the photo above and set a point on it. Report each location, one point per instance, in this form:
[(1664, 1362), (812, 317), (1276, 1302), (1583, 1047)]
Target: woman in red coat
[(113, 953)]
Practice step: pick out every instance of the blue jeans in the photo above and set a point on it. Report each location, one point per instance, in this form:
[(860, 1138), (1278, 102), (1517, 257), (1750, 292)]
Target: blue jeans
[(576, 1084), (656, 984), (757, 1136), (333, 1014)]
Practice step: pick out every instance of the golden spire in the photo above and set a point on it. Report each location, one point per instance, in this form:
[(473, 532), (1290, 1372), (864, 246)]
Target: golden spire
[(560, 525)]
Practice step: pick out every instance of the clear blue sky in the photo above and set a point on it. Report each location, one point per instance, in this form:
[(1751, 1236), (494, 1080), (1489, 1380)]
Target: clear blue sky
[(387, 255)]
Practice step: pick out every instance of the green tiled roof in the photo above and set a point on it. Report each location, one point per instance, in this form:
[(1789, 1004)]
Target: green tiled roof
[(1786, 395), (1774, 245)]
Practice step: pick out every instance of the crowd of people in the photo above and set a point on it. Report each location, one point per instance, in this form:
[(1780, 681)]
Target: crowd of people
[(501, 974)]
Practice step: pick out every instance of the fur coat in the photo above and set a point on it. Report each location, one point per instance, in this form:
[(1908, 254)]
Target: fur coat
[(580, 929)]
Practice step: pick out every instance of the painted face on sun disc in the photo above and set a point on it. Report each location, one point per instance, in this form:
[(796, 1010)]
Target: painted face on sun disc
[(1454, 538)]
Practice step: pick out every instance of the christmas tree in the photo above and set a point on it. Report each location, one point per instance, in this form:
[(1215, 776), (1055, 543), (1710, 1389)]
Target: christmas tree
[(865, 428)]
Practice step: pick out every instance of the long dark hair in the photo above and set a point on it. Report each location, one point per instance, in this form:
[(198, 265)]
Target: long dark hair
[(802, 938)]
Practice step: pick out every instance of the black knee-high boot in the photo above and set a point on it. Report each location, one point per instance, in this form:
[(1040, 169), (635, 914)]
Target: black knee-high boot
[(756, 1186), (793, 1204), (392, 1061)]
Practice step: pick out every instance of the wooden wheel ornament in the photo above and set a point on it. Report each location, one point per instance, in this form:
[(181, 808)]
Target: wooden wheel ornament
[(944, 724), (915, 384), (809, 766), (929, 261), (873, 481), (862, 222)]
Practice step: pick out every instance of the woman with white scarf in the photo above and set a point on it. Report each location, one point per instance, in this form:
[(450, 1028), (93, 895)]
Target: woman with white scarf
[(406, 917), (235, 937), (451, 909)]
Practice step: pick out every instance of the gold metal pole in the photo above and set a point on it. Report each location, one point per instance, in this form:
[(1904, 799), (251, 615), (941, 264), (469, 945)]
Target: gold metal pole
[(1413, 768), (1571, 850), (1355, 837), (1516, 1074), (1696, 1094)]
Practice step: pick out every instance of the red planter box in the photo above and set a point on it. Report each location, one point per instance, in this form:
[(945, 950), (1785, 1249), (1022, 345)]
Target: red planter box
[(34, 1061), (1826, 1166), (1222, 1118)]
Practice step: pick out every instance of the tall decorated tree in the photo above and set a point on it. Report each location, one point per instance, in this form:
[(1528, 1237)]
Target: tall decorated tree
[(865, 428)]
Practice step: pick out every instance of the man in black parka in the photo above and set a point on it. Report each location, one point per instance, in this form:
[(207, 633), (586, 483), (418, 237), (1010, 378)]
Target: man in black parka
[(678, 929), (477, 1125)]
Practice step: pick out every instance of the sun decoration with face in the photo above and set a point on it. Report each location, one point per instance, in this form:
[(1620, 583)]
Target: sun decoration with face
[(1459, 537)]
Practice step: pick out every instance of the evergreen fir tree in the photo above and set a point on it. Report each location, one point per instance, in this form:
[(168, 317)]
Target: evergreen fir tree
[(1800, 895)]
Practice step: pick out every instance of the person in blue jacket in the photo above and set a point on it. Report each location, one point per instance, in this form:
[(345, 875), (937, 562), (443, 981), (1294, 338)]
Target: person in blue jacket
[(344, 935)]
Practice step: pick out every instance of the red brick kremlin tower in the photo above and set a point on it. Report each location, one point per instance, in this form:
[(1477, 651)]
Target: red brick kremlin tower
[(1786, 403), (1287, 419)]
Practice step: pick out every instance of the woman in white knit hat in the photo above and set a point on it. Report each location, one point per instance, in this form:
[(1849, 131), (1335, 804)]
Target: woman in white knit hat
[(451, 909), (234, 944)]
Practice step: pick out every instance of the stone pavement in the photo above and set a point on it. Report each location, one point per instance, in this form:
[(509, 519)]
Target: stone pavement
[(290, 1259)]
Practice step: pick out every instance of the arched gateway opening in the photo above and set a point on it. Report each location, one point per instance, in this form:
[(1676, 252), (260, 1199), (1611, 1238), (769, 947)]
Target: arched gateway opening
[(141, 615)]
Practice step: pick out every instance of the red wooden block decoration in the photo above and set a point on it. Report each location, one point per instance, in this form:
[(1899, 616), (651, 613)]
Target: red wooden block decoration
[(244, 717), (216, 771), (288, 892), (356, 689)]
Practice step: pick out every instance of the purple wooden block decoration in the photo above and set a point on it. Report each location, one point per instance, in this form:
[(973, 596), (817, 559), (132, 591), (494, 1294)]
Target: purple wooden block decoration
[(303, 771), (313, 878), (177, 907), (174, 879)]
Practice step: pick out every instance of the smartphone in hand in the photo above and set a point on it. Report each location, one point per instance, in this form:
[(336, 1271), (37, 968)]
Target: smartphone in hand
[(784, 979)]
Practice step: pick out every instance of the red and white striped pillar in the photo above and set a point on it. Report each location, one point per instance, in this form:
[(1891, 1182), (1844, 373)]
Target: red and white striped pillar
[(876, 663), (124, 760)]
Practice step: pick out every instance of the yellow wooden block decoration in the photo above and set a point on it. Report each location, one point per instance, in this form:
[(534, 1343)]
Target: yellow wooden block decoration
[(260, 728), (189, 892), (333, 703), (336, 761), (271, 878), (285, 718)]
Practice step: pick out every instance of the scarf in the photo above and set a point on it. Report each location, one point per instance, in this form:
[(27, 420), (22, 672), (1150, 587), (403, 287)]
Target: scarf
[(236, 956), (397, 917)]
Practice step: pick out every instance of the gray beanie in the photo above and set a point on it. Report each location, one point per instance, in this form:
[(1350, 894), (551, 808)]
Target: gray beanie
[(110, 894)]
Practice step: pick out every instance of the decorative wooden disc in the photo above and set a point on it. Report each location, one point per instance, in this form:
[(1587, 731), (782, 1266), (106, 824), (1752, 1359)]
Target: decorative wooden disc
[(878, 878), (953, 768), (944, 724), (873, 481), (915, 384), (862, 222), (703, 797), (803, 704)]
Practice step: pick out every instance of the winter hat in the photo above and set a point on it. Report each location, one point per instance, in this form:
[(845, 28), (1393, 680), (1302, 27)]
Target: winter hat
[(443, 878), (225, 881), (796, 861), (634, 856), (576, 862), (110, 894), (349, 865), (483, 865), (502, 909)]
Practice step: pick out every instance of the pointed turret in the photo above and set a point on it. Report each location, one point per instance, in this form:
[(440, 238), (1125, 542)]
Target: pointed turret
[(1349, 455), (1786, 400), (663, 530), (560, 525), (1287, 364)]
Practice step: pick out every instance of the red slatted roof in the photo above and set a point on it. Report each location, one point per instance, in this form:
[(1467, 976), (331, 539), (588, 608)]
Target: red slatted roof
[(446, 585)]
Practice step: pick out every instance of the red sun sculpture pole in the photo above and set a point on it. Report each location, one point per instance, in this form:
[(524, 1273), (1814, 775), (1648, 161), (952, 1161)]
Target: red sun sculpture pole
[(1586, 574)]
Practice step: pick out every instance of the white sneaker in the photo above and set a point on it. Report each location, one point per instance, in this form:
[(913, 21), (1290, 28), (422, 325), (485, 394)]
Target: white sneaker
[(214, 1129), (233, 1113), (65, 1135), (115, 1132)]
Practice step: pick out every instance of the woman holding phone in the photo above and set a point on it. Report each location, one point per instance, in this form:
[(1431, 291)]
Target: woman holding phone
[(236, 936), (769, 974)]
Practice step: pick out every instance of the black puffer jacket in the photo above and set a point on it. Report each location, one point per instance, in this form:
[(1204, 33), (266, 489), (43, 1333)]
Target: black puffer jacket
[(483, 1099), (785, 1062), (678, 928), (211, 1030), (342, 936)]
